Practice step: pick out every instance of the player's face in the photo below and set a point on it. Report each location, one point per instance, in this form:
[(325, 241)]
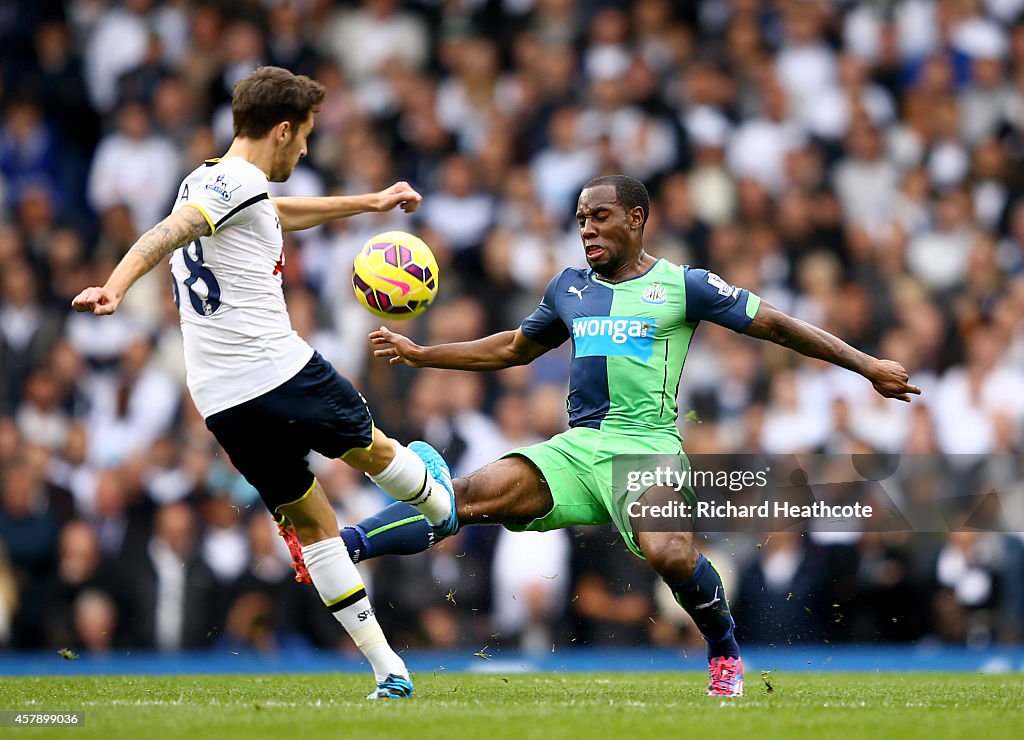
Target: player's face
[(610, 234), (291, 151)]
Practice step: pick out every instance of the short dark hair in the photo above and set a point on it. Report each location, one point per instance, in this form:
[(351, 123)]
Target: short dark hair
[(629, 192), (271, 95)]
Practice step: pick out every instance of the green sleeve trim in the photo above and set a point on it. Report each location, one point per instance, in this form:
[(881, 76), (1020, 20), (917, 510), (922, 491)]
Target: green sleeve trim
[(753, 303)]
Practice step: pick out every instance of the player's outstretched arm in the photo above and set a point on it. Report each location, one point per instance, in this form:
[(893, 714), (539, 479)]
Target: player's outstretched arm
[(298, 212), (181, 227), (889, 378), (496, 352)]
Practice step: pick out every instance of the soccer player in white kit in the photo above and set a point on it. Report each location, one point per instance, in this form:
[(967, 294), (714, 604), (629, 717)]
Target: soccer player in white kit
[(266, 395)]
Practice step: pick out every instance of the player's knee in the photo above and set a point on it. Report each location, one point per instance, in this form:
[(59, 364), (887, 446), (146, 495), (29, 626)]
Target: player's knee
[(385, 447), (375, 458), (312, 517), (672, 556)]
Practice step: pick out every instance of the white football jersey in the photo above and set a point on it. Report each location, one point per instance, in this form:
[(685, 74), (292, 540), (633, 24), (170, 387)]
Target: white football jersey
[(239, 341)]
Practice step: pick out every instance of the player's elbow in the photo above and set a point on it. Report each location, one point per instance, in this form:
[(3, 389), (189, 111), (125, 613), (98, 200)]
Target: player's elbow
[(524, 355), (512, 350), (777, 333), (509, 356), (772, 325)]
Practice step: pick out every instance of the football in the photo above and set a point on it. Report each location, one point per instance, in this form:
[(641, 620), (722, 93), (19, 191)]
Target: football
[(395, 275)]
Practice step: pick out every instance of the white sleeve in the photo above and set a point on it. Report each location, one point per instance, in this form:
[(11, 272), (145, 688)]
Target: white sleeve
[(226, 193)]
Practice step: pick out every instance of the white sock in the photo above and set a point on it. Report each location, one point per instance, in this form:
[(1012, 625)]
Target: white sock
[(341, 589), (405, 479)]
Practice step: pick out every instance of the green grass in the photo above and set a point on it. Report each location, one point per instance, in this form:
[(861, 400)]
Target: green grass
[(577, 706)]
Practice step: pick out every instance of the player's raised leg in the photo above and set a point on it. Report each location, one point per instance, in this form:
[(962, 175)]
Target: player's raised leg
[(341, 589), (415, 475), (397, 529), (698, 588), (507, 491)]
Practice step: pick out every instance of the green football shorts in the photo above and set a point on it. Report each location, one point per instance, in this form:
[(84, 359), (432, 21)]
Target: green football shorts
[(592, 475)]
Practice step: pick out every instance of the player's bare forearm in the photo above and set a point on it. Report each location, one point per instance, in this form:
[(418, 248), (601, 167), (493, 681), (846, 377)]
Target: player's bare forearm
[(303, 212), (889, 378), (181, 227), (299, 212), (807, 339), (496, 352)]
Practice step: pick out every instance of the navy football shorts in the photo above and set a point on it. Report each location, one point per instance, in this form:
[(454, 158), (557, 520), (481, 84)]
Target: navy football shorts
[(269, 437)]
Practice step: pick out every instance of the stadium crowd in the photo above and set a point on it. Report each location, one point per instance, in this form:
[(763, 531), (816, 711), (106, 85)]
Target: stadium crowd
[(858, 164)]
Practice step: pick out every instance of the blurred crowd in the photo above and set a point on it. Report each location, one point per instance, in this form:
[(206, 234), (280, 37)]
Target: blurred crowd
[(858, 164)]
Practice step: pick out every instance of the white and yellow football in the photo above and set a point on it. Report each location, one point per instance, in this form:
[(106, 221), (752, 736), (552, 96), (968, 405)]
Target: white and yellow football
[(395, 275)]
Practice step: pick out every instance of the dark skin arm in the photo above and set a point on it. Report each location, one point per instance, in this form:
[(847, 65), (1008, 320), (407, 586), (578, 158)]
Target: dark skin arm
[(889, 378), (496, 352)]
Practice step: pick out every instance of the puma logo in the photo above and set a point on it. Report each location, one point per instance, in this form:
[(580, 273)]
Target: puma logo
[(713, 601), (578, 292)]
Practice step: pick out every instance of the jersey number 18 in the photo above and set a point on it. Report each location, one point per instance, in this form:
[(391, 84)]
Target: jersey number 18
[(203, 288)]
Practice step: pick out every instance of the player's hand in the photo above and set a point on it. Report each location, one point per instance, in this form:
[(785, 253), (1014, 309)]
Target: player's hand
[(100, 301), (890, 380), (401, 349), (400, 194)]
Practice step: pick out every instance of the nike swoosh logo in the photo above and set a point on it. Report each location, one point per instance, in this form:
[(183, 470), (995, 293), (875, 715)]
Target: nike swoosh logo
[(404, 287), (713, 601)]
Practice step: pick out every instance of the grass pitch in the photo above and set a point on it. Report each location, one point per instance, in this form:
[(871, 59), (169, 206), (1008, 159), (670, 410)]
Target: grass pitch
[(496, 706)]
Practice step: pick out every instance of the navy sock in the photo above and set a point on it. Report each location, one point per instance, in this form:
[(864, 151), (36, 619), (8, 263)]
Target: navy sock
[(703, 597), (397, 529), (356, 543)]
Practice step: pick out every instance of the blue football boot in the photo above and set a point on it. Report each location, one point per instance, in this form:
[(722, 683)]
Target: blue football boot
[(437, 468), (393, 687)]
